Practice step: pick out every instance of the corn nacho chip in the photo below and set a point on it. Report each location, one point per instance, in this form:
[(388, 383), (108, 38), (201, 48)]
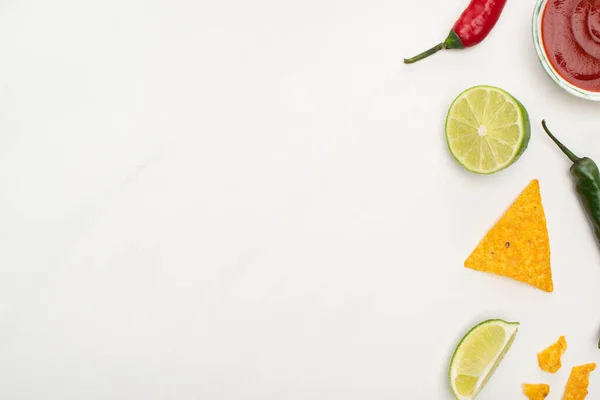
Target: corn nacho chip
[(537, 391), (549, 359), (579, 380), (518, 246)]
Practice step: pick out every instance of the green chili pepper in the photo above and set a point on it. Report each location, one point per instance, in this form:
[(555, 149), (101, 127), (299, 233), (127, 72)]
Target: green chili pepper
[(586, 177)]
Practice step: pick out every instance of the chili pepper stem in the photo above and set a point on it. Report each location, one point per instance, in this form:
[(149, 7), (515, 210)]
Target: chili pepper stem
[(425, 54), (564, 149)]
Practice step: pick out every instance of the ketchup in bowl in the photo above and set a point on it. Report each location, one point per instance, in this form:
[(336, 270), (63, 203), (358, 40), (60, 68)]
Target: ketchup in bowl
[(571, 38), (567, 38)]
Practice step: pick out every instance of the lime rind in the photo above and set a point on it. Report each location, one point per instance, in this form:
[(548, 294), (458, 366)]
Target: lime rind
[(510, 328), (478, 109)]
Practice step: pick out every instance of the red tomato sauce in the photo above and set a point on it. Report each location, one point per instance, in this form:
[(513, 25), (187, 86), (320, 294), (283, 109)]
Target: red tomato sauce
[(571, 38)]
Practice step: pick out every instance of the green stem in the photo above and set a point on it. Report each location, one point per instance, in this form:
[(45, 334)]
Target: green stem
[(564, 149), (425, 54)]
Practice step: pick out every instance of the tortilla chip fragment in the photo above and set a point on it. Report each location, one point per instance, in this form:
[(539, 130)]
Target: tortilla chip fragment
[(536, 392), (579, 380), (549, 359), (518, 246)]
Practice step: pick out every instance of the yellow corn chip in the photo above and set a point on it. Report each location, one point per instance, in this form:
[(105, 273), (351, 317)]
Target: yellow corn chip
[(518, 247), (536, 392), (579, 380), (549, 359)]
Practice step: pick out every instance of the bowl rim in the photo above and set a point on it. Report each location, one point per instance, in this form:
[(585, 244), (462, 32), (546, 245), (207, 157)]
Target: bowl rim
[(538, 12)]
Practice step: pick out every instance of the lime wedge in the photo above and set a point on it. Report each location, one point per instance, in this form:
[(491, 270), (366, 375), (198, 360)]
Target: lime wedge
[(487, 129), (478, 355)]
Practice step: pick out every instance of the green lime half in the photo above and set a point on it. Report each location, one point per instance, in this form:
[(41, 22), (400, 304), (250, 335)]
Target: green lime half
[(487, 129), (478, 355)]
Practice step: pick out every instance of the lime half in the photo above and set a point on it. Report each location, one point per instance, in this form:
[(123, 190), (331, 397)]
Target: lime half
[(487, 129), (478, 354)]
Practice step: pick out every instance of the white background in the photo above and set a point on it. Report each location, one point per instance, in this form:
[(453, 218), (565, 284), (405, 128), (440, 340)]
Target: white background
[(253, 200)]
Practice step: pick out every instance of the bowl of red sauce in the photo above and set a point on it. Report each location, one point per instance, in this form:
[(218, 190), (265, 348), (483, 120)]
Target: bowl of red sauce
[(566, 34)]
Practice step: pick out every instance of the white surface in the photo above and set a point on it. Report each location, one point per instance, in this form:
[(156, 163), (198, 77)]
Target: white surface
[(252, 200)]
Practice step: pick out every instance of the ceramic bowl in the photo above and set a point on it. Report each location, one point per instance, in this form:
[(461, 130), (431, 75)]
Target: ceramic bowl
[(543, 57)]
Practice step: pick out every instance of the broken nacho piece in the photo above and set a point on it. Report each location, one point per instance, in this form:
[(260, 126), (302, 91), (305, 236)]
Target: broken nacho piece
[(579, 380), (518, 246), (549, 359), (536, 391)]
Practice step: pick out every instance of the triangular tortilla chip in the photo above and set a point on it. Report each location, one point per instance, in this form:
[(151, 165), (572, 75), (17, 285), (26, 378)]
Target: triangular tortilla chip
[(517, 246)]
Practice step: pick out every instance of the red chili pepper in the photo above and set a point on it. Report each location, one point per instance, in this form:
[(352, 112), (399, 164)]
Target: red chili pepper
[(474, 24)]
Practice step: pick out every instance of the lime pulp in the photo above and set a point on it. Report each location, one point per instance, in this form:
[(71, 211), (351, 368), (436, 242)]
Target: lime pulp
[(487, 129)]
